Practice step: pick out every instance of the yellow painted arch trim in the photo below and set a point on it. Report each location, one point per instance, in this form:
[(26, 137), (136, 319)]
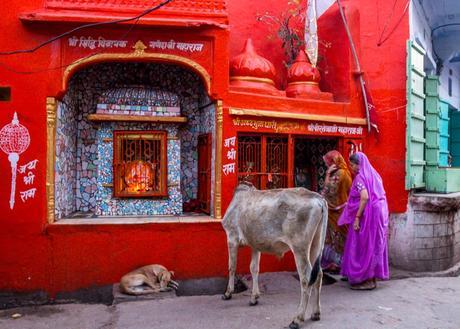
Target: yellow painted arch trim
[(136, 56)]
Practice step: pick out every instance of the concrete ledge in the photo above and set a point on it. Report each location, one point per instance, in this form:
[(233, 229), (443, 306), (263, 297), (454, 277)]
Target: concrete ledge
[(426, 238), (10, 299), (397, 274), (435, 202), (105, 220), (89, 295)]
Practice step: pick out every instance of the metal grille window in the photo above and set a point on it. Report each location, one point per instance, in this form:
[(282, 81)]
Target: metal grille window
[(263, 161), (277, 162), (140, 164), (249, 159)]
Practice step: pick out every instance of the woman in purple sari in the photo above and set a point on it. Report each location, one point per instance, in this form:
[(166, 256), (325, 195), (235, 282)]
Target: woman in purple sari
[(365, 256)]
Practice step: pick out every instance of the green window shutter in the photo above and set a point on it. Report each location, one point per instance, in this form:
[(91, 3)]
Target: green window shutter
[(454, 146), (415, 117), (442, 137), (433, 121), (443, 134)]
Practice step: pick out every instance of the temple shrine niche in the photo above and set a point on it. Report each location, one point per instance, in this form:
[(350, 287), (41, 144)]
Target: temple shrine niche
[(126, 140)]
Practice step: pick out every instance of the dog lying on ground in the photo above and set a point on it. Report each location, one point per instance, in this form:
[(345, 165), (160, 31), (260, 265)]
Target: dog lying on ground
[(148, 279)]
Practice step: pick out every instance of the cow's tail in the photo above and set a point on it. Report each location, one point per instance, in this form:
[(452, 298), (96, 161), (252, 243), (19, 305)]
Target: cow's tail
[(314, 272), (322, 227)]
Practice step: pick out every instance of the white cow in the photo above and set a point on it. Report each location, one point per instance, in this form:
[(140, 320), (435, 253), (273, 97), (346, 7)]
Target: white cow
[(275, 221)]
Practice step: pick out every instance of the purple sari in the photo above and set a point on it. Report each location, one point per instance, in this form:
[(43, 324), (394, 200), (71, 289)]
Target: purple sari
[(365, 254)]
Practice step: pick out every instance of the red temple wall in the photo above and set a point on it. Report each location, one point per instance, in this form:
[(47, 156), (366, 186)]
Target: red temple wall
[(64, 258), (384, 68)]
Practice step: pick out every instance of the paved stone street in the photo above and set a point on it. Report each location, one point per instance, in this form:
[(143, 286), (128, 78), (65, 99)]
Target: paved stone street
[(432, 303)]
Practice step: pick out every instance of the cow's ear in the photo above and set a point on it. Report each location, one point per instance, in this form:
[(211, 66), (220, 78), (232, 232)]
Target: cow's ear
[(172, 273)]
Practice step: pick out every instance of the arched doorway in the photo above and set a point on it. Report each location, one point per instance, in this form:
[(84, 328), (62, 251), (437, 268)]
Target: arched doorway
[(86, 146)]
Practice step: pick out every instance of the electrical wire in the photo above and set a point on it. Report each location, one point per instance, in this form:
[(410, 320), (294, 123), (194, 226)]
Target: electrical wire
[(387, 21), (10, 69), (441, 26), (117, 21), (358, 66), (206, 105), (383, 40)]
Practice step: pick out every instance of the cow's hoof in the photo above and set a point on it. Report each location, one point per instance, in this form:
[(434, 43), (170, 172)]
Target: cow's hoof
[(226, 297), (315, 317), (294, 325), (253, 302)]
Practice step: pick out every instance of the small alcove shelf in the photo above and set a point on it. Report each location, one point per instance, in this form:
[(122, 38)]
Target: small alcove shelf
[(96, 117)]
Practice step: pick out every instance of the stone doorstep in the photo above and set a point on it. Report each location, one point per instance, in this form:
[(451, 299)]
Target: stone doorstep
[(190, 287)]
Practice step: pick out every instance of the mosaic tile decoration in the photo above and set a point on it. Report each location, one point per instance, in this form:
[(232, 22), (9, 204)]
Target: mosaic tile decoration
[(78, 159), (139, 95), (66, 166), (198, 124), (209, 127), (87, 163), (138, 100), (107, 205), (138, 110)]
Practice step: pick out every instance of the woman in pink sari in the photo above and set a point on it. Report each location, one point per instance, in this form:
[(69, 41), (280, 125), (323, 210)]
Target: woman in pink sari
[(365, 256)]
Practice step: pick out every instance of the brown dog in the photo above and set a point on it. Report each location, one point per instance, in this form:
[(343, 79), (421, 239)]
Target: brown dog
[(156, 277)]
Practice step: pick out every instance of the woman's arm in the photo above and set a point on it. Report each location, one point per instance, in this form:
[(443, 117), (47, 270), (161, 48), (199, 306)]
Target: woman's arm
[(330, 184), (329, 171), (364, 197)]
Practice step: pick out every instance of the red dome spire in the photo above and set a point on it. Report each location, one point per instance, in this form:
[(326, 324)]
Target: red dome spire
[(251, 71), (302, 70), (251, 64), (303, 80)]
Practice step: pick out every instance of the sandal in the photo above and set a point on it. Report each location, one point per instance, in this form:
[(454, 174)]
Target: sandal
[(367, 285)]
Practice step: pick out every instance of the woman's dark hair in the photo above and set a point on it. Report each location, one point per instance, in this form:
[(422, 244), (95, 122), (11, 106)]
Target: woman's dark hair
[(354, 158)]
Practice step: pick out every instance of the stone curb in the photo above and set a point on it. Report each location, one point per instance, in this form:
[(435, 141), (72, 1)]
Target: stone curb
[(397, 274)]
